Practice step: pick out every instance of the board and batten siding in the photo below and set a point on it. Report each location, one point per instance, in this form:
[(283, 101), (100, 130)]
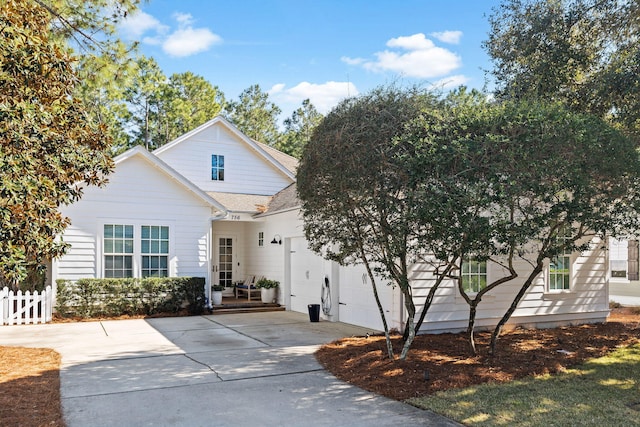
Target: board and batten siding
[(245, 171), (137, 194)]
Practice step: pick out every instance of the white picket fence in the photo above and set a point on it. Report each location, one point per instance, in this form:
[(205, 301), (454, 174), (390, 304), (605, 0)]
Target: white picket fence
[(18, 308)]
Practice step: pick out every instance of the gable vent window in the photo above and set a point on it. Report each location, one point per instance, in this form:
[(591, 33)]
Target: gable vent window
[(217, 167)]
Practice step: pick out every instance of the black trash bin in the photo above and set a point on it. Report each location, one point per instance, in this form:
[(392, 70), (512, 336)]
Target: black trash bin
[(314, 312)]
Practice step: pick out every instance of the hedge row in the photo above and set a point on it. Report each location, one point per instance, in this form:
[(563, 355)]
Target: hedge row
[(114, 297)]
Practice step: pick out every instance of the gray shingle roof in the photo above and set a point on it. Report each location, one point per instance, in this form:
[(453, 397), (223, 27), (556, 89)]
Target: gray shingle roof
[(241, 202), (289, 162), (285, 199)]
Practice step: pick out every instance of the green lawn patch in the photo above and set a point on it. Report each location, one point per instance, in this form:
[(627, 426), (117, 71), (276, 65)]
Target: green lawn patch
[(602, 392)]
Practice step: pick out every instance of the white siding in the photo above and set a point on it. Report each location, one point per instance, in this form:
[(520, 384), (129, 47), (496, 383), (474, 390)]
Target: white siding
[(270, 260), (625, 293), (586, 300), (244, 171), (138, 194)]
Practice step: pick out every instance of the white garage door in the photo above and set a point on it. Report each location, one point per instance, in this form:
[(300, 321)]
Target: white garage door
[(357, 303), (306, 276)]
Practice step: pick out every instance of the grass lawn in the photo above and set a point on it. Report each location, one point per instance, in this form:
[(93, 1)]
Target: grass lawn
[(602, 392)]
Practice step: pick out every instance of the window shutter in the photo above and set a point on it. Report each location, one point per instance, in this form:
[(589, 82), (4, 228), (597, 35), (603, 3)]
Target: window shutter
[(633, 260)]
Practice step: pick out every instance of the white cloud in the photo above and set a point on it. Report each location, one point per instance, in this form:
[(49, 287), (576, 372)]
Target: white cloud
[(183, 18), (414, 42), (323, 96), (186, 40), (452, 37), (276, 88), (189, 41), (155, 41), (183, 41), (139, 23), (450, 82), (352, 61), (413, 56)]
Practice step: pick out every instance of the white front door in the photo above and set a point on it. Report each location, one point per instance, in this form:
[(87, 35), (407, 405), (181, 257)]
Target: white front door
[(225, 262)]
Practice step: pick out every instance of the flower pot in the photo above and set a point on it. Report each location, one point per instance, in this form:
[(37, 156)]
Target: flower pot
[(217, 297), (268, 295)]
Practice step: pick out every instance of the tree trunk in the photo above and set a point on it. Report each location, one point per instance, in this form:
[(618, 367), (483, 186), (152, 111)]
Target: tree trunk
[(411, 312), (382, 315), (379, 304), (473, 309), (514, 304)]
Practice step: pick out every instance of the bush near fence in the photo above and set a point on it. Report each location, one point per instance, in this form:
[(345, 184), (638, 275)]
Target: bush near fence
[(114, 297)]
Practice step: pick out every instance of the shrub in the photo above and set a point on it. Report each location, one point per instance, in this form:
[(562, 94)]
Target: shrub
[(267, 283), (114, 297)]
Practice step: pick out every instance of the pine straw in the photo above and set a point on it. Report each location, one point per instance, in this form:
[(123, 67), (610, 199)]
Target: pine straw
[(446, 362), (30, 387)]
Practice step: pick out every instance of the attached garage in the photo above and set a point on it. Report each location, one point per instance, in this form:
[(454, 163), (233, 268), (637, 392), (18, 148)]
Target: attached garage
[(350, 295), (307, 275)]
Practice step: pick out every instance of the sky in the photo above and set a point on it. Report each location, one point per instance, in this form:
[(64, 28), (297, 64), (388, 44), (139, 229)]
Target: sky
[(324, 50)]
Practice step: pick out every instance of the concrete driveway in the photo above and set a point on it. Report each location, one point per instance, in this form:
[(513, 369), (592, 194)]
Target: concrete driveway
[(224, 370)]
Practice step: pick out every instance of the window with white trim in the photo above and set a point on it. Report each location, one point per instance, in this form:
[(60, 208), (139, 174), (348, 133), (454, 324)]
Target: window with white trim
[(618, 253), (560, 269), (118, 250), (623, 259), (261, 238), (473, 275), (217, 167), (134, 250), (560, 272), (154, 242)]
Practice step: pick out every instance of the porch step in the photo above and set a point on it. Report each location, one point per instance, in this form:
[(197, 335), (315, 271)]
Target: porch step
[(246, 308)]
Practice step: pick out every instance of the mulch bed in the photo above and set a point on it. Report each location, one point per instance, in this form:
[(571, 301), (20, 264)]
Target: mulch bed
[(446, 362), (30, 387)]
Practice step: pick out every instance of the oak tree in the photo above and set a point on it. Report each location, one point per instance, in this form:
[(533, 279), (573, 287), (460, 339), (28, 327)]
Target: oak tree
[(357, 197), (584, 53)]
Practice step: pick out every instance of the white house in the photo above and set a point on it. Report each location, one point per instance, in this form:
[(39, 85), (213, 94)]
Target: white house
[(216, 204), (624, 281)]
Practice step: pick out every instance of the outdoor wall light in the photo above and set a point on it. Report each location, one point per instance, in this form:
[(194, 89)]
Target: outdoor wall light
[(277, 240)]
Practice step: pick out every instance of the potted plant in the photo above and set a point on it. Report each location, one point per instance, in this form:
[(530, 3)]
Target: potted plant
[(267, 289), (216, 295)]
